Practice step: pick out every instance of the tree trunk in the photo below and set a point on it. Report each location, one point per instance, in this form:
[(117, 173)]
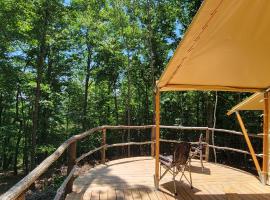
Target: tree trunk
[(128, 100), (15, 169), (86, 86), (146, 106), (210, 109), (39, 67), (36, 106), (27, 141), (1, 107), (17, 119), (151, 53), (46, 111), (116, 104), (6, 157)]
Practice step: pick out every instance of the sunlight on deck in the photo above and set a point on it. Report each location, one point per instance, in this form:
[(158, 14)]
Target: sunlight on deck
[(132, 178)]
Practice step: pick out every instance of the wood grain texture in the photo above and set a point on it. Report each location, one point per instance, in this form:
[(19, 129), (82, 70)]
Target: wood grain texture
[(132, 178)]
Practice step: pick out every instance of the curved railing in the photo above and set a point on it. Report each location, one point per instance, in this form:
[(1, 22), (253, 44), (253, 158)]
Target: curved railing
[(19, 189)]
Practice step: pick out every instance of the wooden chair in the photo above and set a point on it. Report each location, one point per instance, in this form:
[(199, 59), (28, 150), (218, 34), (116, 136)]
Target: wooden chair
[(177, 163), (197, 151)]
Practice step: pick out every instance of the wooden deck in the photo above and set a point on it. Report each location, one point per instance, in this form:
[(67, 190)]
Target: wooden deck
[(132, 178)]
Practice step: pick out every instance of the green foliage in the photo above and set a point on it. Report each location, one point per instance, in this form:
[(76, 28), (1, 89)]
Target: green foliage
[(48, 149), (97, 63)]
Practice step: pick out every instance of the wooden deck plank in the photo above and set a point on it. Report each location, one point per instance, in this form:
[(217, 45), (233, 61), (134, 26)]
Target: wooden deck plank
[(160, 195), (120, 194), (103, 195), (190, 191), (87, 195), (144, 194), (128, 194), (205, 192), (94, 195), (132, 179), (215, 191), (111, 195), (151, 194), (259, 191), (136, 194), (201, 193)]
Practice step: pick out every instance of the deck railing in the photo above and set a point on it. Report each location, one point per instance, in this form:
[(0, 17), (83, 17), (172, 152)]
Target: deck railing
[(18, 191)]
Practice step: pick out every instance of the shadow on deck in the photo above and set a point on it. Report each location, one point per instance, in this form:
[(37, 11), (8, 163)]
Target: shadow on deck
[(132, 178)]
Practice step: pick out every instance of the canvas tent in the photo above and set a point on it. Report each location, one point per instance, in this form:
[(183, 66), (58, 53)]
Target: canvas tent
[(254, 102), (225, 48)]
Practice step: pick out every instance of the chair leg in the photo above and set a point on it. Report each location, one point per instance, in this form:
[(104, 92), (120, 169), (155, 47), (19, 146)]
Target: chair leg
[(174, 184), (159, 171), (190, 178), (201, 159)]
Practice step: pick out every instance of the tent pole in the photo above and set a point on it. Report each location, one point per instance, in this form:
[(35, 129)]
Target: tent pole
[(265, 136), (157, 137), (250, 147)]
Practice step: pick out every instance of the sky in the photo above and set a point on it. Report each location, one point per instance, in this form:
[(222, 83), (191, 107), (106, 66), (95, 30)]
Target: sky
[(67, 2)]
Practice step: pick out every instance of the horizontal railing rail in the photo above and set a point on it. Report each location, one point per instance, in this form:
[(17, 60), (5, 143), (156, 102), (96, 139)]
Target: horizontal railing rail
[(19, 189)]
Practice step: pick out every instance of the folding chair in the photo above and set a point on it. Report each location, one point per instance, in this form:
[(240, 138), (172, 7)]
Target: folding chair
[(197, 151), (177, 163)]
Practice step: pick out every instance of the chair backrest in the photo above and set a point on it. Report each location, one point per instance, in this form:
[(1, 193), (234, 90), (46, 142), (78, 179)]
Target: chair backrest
[(201, 138), (181, 153), (200, 142)]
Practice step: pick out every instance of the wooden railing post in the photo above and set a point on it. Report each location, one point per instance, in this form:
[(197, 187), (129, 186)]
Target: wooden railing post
[(153, 138), (207, 140), (128, 141), (103, 151), (72, 152)]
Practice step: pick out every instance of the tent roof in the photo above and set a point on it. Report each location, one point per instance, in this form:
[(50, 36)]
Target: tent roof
[(225, 48), (254, 102)]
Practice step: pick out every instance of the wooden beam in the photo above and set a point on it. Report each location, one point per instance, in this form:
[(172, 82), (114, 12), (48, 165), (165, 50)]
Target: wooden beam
[(210, 129), (122, 127), (83, 156), (128, 144), (265, 137), (234, 150), (103, 151), (157, 137), (183, 87), (250, 147)]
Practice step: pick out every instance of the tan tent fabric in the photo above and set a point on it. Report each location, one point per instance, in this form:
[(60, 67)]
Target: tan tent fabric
[(254, 102), (227, 47)]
